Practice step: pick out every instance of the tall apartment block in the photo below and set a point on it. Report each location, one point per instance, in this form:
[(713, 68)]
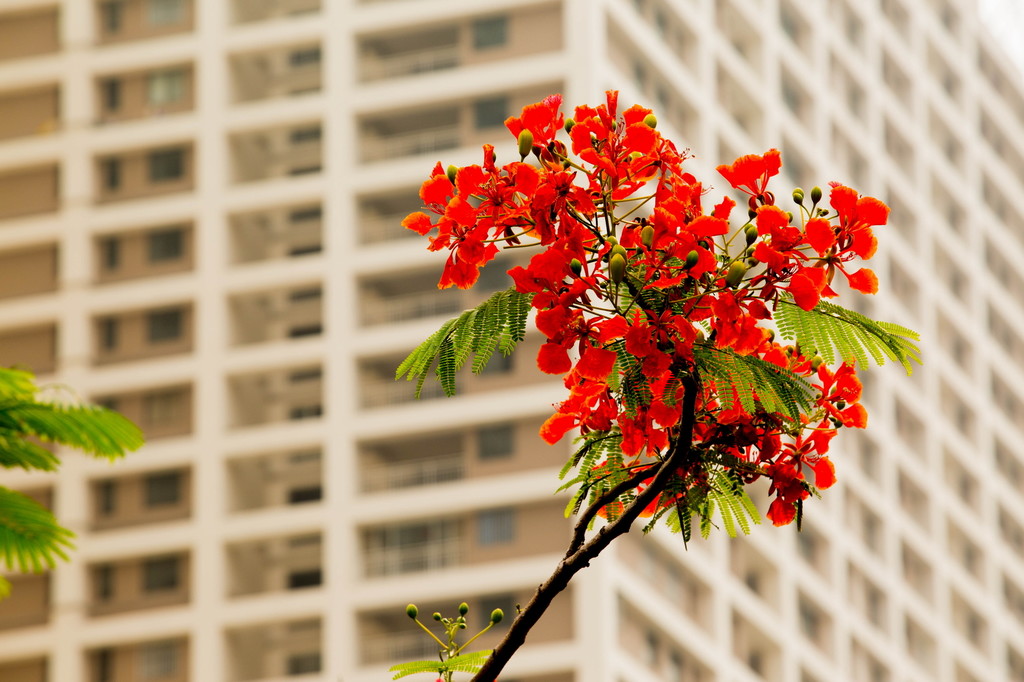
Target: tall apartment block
[(199, 226)]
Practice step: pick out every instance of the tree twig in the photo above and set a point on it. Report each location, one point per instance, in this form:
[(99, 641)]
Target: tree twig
[(579, 558)]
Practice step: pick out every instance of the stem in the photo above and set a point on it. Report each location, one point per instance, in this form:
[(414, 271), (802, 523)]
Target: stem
[(575, 561)]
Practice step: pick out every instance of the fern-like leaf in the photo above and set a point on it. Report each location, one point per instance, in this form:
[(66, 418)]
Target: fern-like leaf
[(497, 323), (839, 334), (751, 380), (30, 537), (464, 663)]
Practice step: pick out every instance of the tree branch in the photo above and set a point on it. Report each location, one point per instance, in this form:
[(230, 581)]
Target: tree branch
[(576, 560)]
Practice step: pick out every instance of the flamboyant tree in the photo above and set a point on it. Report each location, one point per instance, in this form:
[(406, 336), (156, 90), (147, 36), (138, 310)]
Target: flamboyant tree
[(696, 338)]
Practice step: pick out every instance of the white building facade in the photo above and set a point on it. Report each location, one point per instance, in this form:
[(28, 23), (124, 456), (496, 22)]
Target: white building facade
[(199, 226)]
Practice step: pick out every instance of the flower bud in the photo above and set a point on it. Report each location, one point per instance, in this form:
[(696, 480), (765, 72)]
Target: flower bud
[(611, 240), (437, 616), (647, 236), (618, 249), (569, 125), (576, 266), (816, 362), (815, 194), (496, 616), (789, 215), (751, 234), (411, 611), (753, 262), (452, 170), (462, 626), (751, 213), (749, 253), (798, 196), (525, 143), (736, 272), (463, 609), (651, 121), (840, 404), (617, 268), (691, 259)]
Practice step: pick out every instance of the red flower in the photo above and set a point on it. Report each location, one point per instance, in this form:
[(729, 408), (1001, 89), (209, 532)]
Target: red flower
[(751, 173)]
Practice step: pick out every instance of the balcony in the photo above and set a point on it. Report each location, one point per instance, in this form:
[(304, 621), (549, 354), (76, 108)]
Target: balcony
[(154, 497), (274, 234), (392, 299), (139, 583), (274, 650), (145, 173), (28, 605), (276, 73), (28, 271), (247, 11), (275, 480), (145, 94), (292, 394), (29, 33), (386, 638), (163, 660), (379, 388), (125, 20), (278, 153), (499, 534), (143, 334), (32, 348), (139, 254), (473, 40), (29, 191), (31, 670), (431, 459), (160, 412), (30, 112), (381, 216), (275, 315), (274, 565)]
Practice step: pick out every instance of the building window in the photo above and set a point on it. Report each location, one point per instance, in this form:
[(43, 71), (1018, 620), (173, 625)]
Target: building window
[(301, 331), (165, 325), (160, 575), (165, 12), (301, 664), (112, 16), (490, 112), (166, 165), (300, 579), (304, 57), (111, 172), (496, 526), (158, 660), (109, 328), (111, 89), (165, 87), (110, 253), (490, 32), (104, 577), (302, 215), (305, 135), (163, 408), (308, 494), (162, 490), (106, 498), (104, 665), (496, 442), (165, 245), (305, 412)]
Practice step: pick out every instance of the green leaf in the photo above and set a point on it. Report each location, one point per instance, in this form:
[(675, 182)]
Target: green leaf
[(753, 381), (838, 334), (464, 663), (30, 537), (497, 323)]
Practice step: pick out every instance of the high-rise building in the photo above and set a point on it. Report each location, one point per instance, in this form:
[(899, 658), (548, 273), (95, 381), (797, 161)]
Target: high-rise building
[(199, 226)]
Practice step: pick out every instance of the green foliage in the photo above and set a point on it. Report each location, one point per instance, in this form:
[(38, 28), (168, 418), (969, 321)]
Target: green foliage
[(499, 323), (463, 663), (840, 334), (753, 382), (723, 494), (30, 537)]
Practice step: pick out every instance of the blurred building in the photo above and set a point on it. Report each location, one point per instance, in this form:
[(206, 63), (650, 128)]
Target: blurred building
[(199, 226)]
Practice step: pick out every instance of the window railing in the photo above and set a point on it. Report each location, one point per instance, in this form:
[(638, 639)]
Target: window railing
[(399, 646), (411, 307), (412, 557), (410, 63), (419, 472), (380, 147), (384, 228), (385, 393)]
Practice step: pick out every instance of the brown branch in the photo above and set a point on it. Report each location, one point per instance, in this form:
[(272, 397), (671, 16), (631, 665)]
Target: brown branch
[(576, 560)]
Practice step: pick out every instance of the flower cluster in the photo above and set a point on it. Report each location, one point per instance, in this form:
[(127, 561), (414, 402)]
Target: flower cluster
[(638, 276)]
